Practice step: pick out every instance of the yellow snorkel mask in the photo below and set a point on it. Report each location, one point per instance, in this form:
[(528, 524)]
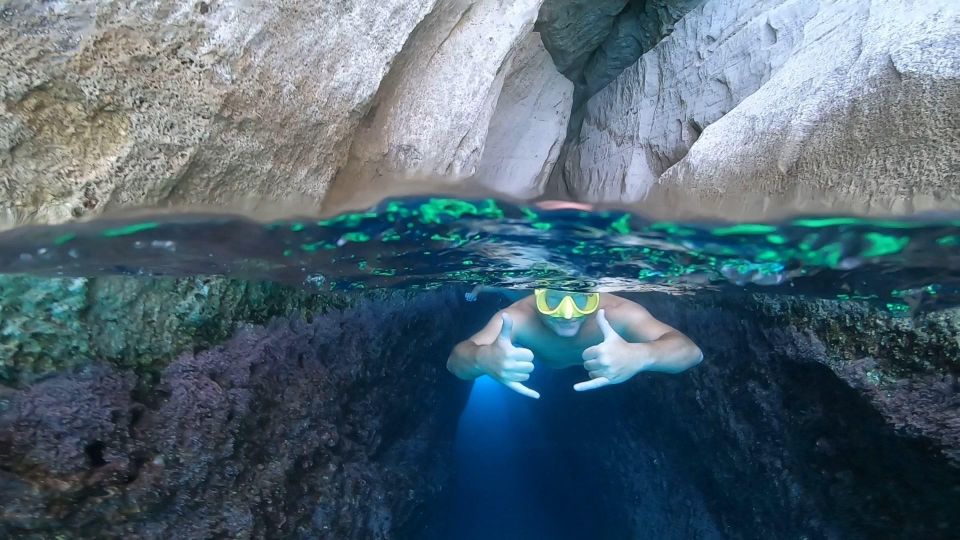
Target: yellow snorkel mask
[(569, 306)]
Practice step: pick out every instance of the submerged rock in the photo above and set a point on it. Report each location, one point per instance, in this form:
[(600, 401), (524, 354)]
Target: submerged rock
[(785, 431), (55, 325), (333, 428)]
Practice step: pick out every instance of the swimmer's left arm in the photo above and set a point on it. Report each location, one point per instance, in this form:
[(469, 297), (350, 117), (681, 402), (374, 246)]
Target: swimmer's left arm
[(650, 345), (660, 346)]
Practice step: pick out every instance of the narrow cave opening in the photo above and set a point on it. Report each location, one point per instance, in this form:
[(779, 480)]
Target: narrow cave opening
[(518, 467)]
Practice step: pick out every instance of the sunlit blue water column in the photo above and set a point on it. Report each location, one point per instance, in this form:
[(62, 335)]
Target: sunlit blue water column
[(511, 477)]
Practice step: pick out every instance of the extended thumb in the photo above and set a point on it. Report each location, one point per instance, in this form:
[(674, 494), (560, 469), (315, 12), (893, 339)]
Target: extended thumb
[(506, 330), (605, 327)]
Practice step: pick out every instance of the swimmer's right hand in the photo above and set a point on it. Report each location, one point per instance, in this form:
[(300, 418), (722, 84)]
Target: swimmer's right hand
[(507, 364)]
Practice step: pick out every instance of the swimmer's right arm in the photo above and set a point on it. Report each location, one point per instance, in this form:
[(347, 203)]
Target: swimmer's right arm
[(491, 352)]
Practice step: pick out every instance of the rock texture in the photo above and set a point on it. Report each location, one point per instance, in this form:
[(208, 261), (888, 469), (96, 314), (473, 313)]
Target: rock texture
[(828, 423), (756, 105), (65, 325), (573, 29), (112, 104), (807, 419), (528, 126), (328, 429), (593, 41), (432, 112)]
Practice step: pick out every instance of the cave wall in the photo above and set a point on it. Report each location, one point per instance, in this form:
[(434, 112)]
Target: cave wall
[(56, 325), (259, 107), (334, 428), (790, 429), (592, 41), (774, 106), (106, 105), (433, 110), (528, 126)]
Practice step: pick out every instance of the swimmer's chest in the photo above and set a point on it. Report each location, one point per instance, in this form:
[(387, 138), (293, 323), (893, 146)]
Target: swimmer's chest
[(558, 352)]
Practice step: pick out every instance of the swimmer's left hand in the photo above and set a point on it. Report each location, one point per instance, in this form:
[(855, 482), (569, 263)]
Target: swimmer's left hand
[(612, 361)]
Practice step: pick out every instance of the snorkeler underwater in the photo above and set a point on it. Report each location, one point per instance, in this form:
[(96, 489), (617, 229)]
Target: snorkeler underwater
[(480, 269)]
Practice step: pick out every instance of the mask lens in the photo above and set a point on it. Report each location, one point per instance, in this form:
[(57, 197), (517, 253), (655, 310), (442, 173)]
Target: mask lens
[(554, 298), (566, 304)]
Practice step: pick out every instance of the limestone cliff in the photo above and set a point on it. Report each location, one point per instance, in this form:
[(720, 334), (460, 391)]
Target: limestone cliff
[(528, 126), (112, 104), (255, 105), (780, 104)]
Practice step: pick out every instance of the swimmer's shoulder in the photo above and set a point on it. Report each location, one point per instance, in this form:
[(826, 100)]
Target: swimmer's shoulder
[(523, 313), (524, 308), (614, 304)]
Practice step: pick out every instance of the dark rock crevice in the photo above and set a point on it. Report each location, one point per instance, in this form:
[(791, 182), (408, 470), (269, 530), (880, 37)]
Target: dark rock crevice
[(592, 42)]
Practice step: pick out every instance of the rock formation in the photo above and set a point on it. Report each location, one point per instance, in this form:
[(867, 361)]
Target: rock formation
[(111, 104), (773, 103), (63, 325), (591, 42), (816, 419), (433, 110), (333, 428), (173, 103), (528, 126)]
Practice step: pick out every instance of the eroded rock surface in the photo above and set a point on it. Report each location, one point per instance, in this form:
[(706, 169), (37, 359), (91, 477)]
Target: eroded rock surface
[(111, 104), (749, 106), (433, 111), (329, 429), (593, 41), (528, 126), (809, 422), (63, 325)]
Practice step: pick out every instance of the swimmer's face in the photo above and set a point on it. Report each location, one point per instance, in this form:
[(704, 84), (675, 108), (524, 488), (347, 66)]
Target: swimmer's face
[(564, 312), (563, 327)]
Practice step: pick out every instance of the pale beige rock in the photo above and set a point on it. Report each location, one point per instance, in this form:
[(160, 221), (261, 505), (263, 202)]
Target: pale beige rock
[(528, 126), (115, 104), (802, 105), (433, 110), (646, 120), (865, 118)]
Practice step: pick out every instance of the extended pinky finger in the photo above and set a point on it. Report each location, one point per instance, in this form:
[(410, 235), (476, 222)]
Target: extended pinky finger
[(591, 384), (521, 389)]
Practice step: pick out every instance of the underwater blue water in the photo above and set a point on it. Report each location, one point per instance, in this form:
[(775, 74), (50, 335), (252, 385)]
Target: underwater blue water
[(513, 477)]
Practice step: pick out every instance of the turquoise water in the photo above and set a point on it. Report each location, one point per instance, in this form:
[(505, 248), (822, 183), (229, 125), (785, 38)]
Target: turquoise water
[(903, 265)]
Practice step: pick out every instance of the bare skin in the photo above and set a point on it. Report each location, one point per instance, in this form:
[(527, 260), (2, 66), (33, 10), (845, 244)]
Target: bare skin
[(618, 341)]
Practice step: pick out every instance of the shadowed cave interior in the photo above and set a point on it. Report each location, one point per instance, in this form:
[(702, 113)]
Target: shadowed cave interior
[(348, 426)]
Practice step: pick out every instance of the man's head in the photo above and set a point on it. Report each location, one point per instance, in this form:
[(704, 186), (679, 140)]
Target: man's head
[(564, 312)]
